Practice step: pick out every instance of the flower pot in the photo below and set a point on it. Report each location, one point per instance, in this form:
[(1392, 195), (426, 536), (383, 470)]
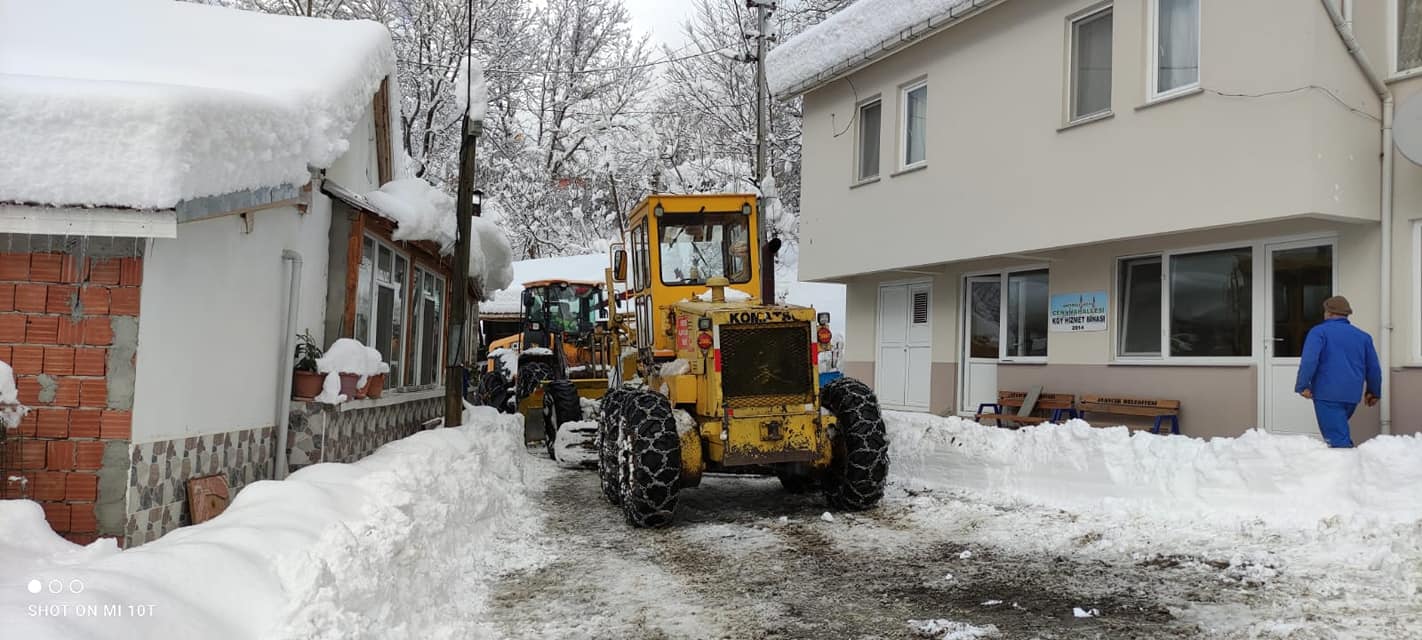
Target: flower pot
[(375, 386), (349, 389), (306, 385)]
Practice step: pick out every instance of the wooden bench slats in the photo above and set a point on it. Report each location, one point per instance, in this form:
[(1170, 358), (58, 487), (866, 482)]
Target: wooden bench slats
[(1149, 407)]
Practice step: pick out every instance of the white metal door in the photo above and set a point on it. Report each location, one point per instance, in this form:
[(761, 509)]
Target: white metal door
[(982, 333), (1300, 277), (918, 347), (890, 370)]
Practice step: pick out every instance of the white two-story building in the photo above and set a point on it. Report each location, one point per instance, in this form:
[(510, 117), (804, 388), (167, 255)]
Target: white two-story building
[(1144, 198)]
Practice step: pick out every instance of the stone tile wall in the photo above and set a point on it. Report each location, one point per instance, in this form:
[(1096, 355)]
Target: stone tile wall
[(159, 471), (325, 433)]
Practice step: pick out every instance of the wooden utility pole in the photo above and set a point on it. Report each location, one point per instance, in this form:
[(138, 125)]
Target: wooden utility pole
[(459, 307), (768, 246)]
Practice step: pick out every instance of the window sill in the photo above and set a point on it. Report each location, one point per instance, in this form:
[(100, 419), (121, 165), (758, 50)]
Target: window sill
[(1026, 361), (1399, 76), (1104, 115), (392, 398), (1170, 97), (864, 183), (906, 170), (1185, 362)]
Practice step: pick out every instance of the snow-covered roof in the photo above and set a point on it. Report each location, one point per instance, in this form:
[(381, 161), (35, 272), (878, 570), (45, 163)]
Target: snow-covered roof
[(146, 103), (856, 36), (584, 267)]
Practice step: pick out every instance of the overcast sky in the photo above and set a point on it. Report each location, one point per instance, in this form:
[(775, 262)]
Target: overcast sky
[(660, 19)]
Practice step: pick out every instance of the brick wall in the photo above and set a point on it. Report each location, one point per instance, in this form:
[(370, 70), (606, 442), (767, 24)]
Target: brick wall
[(58, 310)]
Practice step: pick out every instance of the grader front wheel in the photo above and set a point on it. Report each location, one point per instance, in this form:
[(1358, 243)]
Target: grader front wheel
[(609, 438), (855, 478), (649, 459)]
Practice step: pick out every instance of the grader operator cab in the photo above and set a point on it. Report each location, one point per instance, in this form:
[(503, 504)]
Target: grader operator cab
[(730, 380)]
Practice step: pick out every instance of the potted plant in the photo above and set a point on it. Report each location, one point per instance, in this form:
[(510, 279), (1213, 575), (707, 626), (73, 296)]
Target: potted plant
[(306, 381)]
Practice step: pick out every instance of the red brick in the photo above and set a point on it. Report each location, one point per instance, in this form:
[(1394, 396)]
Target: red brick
[(29, 388), (47, 267), (72, 270), (59, 455), (28, 454), (66, 393), (57, 513), (69, 331), (47, 485), (123, 301), (82, 539), (117, 425), (95, 301), (53, 423), (90, 362), (29, 424), (41, 330), (31, 297), (84, 423), (5, 353), (61, 298), (105, 271), (98, 331), (82, 487), (14, 266), (94, 393), (59, 361), (131, 272), (81, 518), (12, 328), (11, 489), (7, 297), (27, 360), (89, 455)]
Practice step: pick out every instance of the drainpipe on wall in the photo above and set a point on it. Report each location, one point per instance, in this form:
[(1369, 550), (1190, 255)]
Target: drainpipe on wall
[(288, 362), (1345, 32)]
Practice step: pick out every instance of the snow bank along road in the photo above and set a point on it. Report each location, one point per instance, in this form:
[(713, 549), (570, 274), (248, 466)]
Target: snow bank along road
[(1047, 532)]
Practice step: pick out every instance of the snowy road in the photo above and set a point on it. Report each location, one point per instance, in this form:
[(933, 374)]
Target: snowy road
[(747, 560)]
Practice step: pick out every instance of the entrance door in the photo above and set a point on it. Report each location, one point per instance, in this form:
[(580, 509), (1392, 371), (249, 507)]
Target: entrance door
[(982, 331), (1301, 277), (905, 344)]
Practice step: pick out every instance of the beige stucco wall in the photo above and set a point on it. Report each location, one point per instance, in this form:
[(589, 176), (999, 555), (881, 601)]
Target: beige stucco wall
[(1002, 178)]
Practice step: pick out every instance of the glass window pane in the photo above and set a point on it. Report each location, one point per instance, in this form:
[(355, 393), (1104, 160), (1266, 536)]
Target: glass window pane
[(384, 320), (916, 119), (382, 265), (986, 301), (429, 349), (870, 116), (1303, 279), (698, 247), (365, 274), (1091, 65), (1140, 307), (1177, 44), (1409, 34), (1027, 311), (397, 319), (1211, 303)]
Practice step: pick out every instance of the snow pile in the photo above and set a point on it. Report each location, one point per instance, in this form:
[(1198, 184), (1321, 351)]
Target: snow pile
[(851, 34), (470, 90), (491, 258), (678, 367), (420, 211), (1286, 480), (11, 411), (732, 295), (571, 444), (379, 548), (951, 630), (142, 103), (507, 359), (347, 356)]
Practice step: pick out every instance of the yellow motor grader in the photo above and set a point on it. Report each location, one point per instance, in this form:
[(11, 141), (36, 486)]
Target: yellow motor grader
[(730, 379)]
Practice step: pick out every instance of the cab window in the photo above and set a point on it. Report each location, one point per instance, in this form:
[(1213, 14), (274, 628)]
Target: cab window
[(697, 247)]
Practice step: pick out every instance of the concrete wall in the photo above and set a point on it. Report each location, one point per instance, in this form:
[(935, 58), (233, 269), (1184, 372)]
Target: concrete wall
[(997, 150)]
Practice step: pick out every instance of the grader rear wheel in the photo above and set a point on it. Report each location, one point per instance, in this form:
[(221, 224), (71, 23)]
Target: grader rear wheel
[(649, 459), (560, 405), (855, 478), (609, 435)]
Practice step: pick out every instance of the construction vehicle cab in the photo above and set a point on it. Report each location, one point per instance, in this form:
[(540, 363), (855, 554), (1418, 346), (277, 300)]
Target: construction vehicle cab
[(731, 380)]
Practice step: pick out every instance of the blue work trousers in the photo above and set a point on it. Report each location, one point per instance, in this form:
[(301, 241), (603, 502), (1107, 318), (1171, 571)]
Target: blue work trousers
[(1333, 421)]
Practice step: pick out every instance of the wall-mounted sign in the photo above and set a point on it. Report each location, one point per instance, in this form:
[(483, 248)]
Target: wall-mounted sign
[(1079, 311)]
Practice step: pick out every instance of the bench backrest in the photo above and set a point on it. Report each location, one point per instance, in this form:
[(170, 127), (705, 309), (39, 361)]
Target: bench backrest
[(1128, 406), (1044, 401)]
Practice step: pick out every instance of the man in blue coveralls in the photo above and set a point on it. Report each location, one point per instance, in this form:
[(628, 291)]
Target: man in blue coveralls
[(1338, 362)]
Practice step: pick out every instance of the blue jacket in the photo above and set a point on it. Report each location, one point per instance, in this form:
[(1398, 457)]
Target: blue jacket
[(1338, 360)]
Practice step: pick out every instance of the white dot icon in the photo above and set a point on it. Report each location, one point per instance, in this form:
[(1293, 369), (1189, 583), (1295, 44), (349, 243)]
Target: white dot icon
[(36, 586)]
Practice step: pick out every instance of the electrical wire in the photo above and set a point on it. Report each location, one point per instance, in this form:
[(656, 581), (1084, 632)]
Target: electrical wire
[(1312, 87), (531, 72)]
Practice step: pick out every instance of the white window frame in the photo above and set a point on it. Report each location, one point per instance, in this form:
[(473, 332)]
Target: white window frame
[(859, 177), (903, 163), (1003, 276), (1256, 248), (417, 363), (1072, 21), (1415, 311), (1393, 22), (373, 310), (1153, 53), (1118, 295)]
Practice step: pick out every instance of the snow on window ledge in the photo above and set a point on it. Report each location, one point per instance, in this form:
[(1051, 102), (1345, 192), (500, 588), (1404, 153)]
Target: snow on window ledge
[(386, 399)]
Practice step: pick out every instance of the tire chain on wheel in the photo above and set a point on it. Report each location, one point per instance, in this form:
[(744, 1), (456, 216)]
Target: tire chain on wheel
[(609, 429), (493, 390), (649, 456), (855, 478), (561, 405), (530, 375)]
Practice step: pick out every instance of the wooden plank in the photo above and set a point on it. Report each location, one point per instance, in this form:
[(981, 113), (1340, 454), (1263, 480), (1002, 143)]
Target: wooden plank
[(382, 131)]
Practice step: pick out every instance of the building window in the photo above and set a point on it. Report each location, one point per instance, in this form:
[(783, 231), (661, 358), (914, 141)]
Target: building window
[(1025, 332), (380, 301), (1140, 311), (1409, 34), (429, 326), (1091, 65), (1177, 46), (1211, 303), (870, 118), (915, 141)]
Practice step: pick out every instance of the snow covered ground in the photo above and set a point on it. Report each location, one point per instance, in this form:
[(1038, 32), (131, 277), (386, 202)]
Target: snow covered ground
[(1045, 532)]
